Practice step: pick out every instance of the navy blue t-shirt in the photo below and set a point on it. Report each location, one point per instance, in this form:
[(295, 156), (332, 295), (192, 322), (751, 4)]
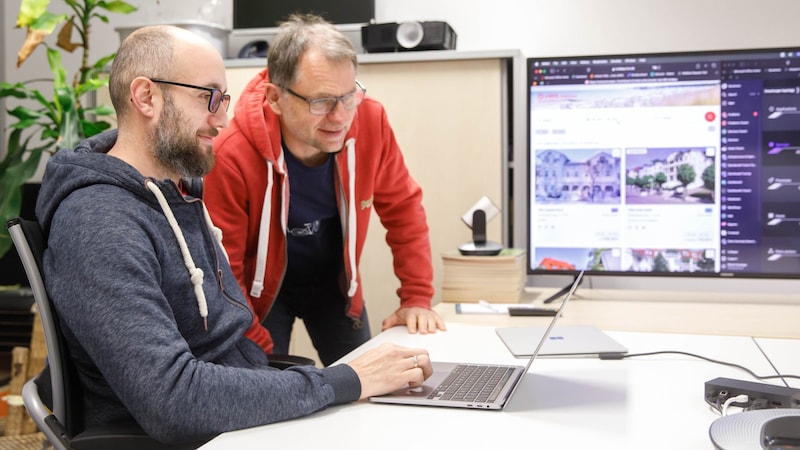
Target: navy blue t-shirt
[(314, 235)]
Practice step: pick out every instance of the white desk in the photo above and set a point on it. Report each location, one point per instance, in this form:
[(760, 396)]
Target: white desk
[(651, 402)]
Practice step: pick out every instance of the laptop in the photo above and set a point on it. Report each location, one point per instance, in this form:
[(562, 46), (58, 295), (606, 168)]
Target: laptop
[(564, 340), (467, 385)]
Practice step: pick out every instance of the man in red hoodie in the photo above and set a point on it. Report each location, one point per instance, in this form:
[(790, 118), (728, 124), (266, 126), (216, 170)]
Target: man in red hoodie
[(305, 160)]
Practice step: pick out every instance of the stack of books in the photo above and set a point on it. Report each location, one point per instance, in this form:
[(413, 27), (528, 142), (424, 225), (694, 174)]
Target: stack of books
[(494, 279)]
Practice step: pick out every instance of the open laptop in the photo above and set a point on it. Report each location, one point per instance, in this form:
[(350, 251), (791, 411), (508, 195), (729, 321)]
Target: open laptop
[(466, 385), (564, 340)]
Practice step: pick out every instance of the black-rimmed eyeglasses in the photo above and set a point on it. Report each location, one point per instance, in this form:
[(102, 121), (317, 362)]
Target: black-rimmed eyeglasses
[(326, 105), (215, 99)]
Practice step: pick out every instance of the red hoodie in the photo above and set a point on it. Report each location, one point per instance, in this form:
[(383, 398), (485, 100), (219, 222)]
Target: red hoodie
[(247, 194)]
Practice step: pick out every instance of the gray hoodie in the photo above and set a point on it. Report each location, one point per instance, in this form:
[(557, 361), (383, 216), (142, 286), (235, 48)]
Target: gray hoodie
[(133, 289)]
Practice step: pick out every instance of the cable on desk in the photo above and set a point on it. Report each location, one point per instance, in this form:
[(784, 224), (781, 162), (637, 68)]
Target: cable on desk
[(769, 360), (715, 361)]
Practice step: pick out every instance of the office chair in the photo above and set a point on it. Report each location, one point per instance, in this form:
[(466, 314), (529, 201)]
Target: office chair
[(54, 397)]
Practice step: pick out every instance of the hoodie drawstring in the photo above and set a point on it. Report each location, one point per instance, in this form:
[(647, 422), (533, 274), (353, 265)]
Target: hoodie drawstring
[(266, 215), (351, 216), (195, 273), (263, 236)]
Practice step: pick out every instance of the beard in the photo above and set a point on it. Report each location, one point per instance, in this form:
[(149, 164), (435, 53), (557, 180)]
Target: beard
[(176, 146)]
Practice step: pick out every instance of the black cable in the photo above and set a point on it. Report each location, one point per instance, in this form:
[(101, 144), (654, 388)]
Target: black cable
[(677, 352), (755, 341)]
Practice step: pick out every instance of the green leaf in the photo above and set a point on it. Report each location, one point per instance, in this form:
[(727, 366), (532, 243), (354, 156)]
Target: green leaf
[(101, 110), (14, 152), (23, 124), (29, 11), (117, 7), (90, 85), (92, 128), (17, 90), (66, 98), (47, 22), (22, 113), (59, 72), (102, 64)]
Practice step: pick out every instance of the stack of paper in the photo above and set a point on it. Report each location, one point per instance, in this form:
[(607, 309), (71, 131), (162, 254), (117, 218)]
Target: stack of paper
[(494, 279)]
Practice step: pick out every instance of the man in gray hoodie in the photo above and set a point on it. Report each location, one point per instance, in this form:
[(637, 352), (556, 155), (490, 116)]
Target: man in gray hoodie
[(152, 314)]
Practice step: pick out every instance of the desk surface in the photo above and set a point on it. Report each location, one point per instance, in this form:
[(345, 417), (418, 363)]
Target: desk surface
[(643, 402), (644, 311)]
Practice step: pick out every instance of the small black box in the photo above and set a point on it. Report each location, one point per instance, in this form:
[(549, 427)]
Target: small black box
[(430, 35), (379, 37)]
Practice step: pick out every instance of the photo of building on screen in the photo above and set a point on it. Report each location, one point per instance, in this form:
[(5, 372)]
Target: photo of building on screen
[(669, 175), (578, 176)]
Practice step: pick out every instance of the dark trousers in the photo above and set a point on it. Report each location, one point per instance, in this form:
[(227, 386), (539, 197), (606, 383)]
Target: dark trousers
[(322, 308)]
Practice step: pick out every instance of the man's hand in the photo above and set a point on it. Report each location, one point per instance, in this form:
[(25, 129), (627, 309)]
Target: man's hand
[(416, 319), (389, 367)]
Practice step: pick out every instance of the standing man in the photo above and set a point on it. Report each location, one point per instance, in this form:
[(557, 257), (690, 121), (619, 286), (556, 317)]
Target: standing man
[(306, 159), (151, 312)]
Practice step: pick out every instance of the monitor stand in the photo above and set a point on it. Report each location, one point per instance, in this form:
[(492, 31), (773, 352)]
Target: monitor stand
[(561, 292)]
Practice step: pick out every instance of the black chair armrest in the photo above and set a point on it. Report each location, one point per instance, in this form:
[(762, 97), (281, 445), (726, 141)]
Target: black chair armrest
[(281, 361), (124, 436)]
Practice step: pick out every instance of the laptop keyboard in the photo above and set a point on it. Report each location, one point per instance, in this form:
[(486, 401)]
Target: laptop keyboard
[(472, 383)]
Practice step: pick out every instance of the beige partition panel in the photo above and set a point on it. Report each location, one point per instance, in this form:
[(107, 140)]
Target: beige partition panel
[(447, 116)]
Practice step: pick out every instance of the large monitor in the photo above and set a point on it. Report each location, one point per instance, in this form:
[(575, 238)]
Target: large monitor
[(674, 164)]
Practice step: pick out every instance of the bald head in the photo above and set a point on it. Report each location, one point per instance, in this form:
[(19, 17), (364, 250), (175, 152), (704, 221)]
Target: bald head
[(159, 51)]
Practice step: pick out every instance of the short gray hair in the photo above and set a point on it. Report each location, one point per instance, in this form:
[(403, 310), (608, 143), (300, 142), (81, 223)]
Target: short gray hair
[(299, 33)]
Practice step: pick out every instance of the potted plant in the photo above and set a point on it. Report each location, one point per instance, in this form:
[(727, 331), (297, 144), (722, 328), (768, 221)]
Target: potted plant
[(58, 117)]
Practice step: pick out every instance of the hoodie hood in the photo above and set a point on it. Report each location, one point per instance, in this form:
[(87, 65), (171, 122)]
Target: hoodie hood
[(89, 165), (70, 170), (254, 119)]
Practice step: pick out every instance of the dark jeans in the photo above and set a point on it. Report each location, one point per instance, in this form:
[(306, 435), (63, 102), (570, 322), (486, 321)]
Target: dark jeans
[(322, 309)]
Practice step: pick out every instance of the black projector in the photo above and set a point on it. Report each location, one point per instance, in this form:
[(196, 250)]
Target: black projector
[(407, 36)]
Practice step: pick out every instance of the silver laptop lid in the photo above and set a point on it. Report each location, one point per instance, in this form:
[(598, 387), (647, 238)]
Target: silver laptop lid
[(555, 319)]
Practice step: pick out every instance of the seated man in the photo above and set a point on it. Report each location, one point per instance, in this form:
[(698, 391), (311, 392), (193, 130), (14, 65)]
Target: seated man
[(152, 313)]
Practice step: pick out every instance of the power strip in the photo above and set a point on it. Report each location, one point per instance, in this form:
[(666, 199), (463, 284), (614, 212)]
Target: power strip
[(761, 395)]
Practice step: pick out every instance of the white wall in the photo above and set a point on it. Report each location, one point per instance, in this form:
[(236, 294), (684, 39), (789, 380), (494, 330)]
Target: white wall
[(582, 27), (537, 27)]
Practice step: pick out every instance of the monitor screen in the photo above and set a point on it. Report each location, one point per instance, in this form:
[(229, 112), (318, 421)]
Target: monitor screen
[(683, 164)]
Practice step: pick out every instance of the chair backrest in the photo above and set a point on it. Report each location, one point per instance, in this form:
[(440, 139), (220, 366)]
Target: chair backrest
[(65, 388), (60, 376)]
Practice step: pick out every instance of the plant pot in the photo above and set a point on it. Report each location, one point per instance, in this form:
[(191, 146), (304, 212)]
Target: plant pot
[(215, 34)]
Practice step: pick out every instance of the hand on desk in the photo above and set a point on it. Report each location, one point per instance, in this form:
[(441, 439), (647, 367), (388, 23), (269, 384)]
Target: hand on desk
[(389, 367), (416, 319)]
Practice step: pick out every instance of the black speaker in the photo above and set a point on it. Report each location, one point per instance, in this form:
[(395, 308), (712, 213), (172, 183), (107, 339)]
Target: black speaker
[(407, 36), (379, 37)]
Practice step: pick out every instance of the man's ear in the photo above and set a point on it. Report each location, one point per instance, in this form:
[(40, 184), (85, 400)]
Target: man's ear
[(145, 98), (273, 94)]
